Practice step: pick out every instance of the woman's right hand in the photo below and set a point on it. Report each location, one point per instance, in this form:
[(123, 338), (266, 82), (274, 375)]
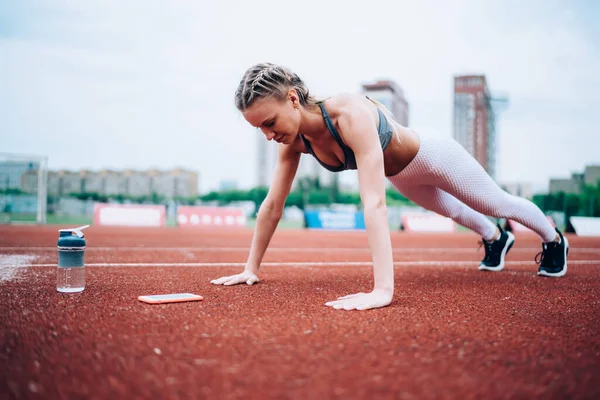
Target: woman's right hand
[(245, 277)]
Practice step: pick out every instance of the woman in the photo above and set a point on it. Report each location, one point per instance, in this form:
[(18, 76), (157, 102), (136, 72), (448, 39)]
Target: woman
[(350, 131)]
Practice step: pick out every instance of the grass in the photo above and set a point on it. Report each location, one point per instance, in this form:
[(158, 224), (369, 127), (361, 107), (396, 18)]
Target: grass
[(53, 219), (282, 224)]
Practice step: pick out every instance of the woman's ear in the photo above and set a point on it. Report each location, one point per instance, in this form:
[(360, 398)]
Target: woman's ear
[(293, 97)]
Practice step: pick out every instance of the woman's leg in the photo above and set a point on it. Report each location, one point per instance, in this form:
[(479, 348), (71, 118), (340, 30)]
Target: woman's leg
[(438, 201), (444, 163), (455, 171)]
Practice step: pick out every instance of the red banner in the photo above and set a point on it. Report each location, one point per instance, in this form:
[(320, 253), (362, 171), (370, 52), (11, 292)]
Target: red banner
[(427, 222), (193, 216)]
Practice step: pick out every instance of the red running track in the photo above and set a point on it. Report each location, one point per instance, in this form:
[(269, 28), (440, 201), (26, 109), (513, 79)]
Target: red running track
[(450, 332)]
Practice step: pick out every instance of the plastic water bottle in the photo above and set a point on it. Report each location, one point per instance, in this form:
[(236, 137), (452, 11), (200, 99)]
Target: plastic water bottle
[(70, 277)]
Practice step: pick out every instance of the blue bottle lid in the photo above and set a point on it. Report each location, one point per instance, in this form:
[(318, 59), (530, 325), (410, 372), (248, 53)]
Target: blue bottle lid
[(72, 238)]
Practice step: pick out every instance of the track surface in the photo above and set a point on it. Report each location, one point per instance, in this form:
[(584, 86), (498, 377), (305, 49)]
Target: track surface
[(451, 331)]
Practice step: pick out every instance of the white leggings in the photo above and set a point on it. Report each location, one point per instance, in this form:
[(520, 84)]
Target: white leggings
[(446, 179)]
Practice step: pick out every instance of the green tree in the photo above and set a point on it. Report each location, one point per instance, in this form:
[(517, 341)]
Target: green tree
[(319, 196), (90, 196), (348, 198), (258, 195), (295, 198)]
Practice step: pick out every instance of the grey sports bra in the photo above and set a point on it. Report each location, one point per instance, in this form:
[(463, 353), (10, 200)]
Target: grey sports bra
[(384, 129)]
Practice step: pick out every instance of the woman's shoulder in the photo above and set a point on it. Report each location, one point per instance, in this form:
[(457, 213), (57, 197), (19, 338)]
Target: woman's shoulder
[(344, 103), (345, 99)]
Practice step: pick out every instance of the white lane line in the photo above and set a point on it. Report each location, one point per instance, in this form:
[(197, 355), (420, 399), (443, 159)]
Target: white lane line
[(312, 264), (9, 262), (292, 249)]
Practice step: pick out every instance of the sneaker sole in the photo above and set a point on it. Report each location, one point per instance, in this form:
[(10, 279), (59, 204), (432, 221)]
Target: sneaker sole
[(563, 272), (500, 267)]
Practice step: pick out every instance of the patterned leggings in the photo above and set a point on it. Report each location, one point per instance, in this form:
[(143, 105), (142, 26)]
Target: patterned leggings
[(446, 179)]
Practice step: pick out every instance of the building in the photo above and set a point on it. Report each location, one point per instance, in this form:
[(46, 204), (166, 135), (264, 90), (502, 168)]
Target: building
[(23, 186), (591, 175), (63, 182), (68, 182), (391, 95), (520, 189), (113, 182), (170, 184), (576, 183), (474, 122), (14, 172), (29, 181), (573, 185), (266, 159), (91, 182), (175, 183), (138, 183)]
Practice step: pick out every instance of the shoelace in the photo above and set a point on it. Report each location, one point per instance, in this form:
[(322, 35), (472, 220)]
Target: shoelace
[(543, 255), (539, 255), (488, 248)]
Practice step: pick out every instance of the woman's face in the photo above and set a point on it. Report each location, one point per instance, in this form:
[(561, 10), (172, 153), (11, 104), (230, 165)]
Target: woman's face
[(279, 120)]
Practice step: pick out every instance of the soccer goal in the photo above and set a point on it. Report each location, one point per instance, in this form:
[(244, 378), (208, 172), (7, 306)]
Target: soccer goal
[(23, 188)]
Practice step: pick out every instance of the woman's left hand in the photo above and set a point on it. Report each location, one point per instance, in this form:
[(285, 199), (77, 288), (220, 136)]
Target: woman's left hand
[(363, 301)]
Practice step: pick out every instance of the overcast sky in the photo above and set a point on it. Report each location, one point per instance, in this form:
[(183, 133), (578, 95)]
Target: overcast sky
[(142, 84)]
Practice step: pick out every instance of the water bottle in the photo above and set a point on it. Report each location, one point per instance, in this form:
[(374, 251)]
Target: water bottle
[(70, 276)]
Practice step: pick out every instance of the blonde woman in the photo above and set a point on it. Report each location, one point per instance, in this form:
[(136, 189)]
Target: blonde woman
[(350, 131)]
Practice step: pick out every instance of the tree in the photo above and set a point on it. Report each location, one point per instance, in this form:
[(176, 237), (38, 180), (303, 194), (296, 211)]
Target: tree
[(306, 184), (258, 195)]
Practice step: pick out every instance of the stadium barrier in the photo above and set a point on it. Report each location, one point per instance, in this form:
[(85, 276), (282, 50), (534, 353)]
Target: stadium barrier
[(427, 222), (336, 220), (585, 226), (197, 216), (129, 215)]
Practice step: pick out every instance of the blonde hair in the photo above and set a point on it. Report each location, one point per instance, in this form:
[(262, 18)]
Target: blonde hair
[(266, 79), (383, 109)]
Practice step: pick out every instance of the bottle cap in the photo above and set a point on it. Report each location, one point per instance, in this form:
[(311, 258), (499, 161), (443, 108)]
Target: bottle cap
[(77, 231)]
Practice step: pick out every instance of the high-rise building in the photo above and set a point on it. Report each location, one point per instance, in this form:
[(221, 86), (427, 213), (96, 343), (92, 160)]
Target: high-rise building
[(474, 122), (391, 95)]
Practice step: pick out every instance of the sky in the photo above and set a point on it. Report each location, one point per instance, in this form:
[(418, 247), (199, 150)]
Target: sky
[(149, 84)]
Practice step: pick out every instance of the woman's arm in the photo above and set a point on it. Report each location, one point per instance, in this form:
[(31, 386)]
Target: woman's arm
[(271, 209), (358, 127), (268, 217)]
